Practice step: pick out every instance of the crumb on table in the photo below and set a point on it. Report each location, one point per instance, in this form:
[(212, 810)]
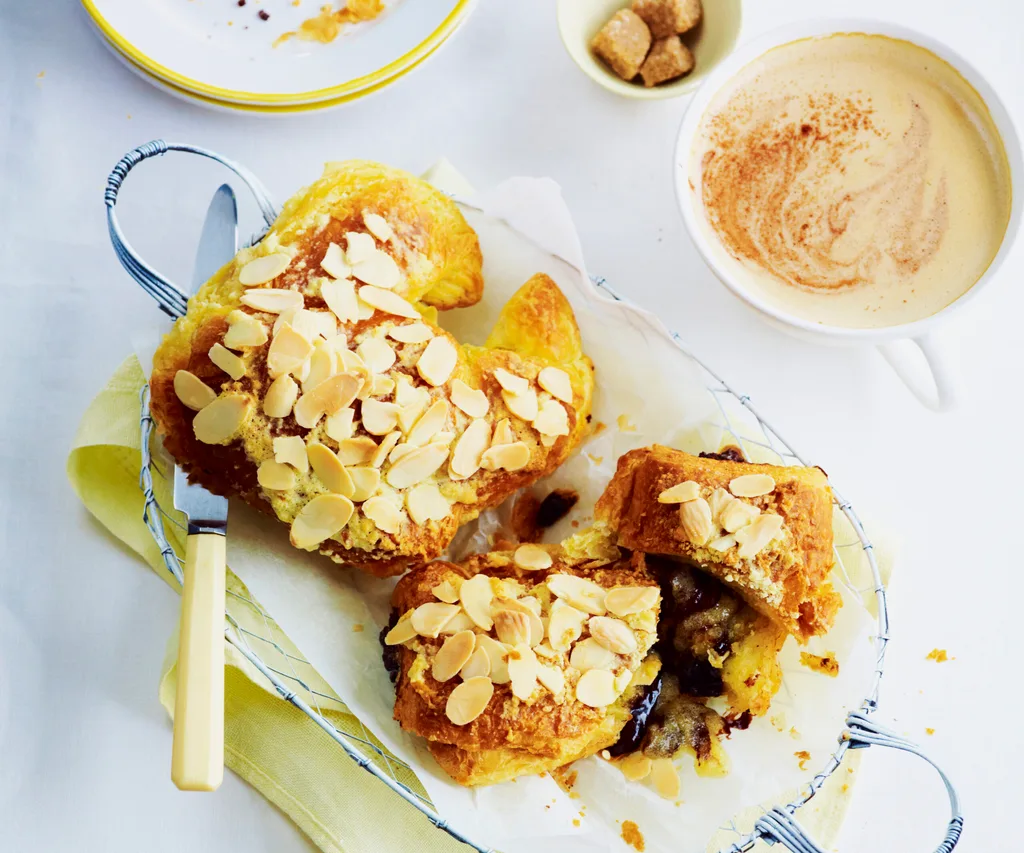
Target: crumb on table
[(622, 43), (632, 835), (929, 731), (358, 628), (668, 17), (804, 756), (825, 664), (669, 58), (939, 656)]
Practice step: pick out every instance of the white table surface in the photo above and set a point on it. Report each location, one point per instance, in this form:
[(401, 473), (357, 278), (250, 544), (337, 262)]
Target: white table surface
[(84, 743)]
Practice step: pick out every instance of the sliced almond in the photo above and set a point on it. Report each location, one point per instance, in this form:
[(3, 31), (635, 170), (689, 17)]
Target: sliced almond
[(329, 469), (402, 632), (522, 671), (589, 654), (327, 325), (472, 401), (476, 596), (320, 519), (717, 501), (444, 437), (358, 247), (384, 448), (548, 440), (276, 476), (382, 386), (378, 226), (552, 678), (581, 593), (412, 333), (614, 634), (328, 397), (635, 766), (665, 778), (192, 391), (377, 354), (453, 655), (515, 623), (409, 413), (379, 418), (468, 701), (288, 351), (503, 433), (365, 482), (302, 321), (531, 603), (378, 269), (497, 654), (510, 382), (272, 300), (227, 361), (470, 447), (523, 406), (219, 421), (508, 457), (737, 514), (340, 297), (479, 664), (416, 466), (365, 311), (356, 451), (323, 364), (388, 302), (384, 514), (264, 269), (334, 263), (437, 361), (752, 539), (627, 600), (426, 503), (428, 619), (722, 543), (551, 419), (596, 688), (695, 521), (406, 392), (532, 558), (291, 450), (431, 422), (557, 383), (564, 625), (400, 451), (680, 493), (341, 424), (447, 592), (459, 622), (752, 485), (244, 330)]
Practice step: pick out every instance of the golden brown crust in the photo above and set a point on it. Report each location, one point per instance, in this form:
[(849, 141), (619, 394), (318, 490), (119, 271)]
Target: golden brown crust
[(788, 581)]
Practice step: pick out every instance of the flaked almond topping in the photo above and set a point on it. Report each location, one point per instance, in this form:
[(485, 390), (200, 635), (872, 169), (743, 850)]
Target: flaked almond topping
[(409, 413), (722, 543), (497, 654), (334, 263), (327, 325), (627, 600), (503, 433), (479, 664), (377, 354), (581, 593), (437, 361), (752, 485), (329, 469), (556, 382), (444, 437), (596, 688), (227, 361), (564, 625), (323, 364), (470, 447), (356, 451), (453, 655), (401, 633), (532, 557), (378, 226), (532, 614), (635, 766), (379, 269), (589, 654), (287, 352), (459, 622), (614, 634), (522, 671), (303, 321), (320, 519), (472, 401), (426, 503), (695, 521), (365, 311), (262, 270), (412, 333), (400, 451), (330, 396), (275, 475), (415, 467), (428, 619), (512, 626), (244, 330), (379, 418), (717, 501), (510, 457), (272, 300), (341, 424), (665, 778), (622, 680), (531, 603), (430, 423), (384, 514), (340, 297), (523, 406), (552, 678), (548, 440), (476, 596), (680, 493), (218, 422), (510, 382), (358, 247), (543, 650), (291, 450), (752, 539), (551, 419), (302, 372), (468, 701), (382, 386), (388, 302), (365, 482), (737, 514), (447, 592), (384, 448), (192, 391)]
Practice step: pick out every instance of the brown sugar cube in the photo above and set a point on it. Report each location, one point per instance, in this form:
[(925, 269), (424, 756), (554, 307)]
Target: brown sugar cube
[(668, 17), (623, 43), (668, 59)]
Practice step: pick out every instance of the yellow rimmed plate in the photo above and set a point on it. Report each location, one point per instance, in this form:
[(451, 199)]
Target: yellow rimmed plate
[(226, 53)]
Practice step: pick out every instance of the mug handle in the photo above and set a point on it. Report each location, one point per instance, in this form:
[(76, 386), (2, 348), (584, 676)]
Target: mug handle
[(942, 395)]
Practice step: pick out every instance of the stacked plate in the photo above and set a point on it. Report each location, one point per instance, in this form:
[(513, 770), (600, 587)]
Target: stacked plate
[(273, 56)]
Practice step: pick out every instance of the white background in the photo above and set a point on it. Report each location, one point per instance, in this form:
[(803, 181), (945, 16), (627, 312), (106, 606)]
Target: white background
[(84, 744)]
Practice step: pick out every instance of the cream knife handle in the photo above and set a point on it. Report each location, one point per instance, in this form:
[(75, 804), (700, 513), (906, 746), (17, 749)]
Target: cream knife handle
[(197, 758)]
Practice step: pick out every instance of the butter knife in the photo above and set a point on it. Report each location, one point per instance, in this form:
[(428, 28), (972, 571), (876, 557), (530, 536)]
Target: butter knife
[(197, 755)]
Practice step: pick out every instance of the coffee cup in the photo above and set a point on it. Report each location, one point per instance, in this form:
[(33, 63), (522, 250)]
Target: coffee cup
[(895, 339)]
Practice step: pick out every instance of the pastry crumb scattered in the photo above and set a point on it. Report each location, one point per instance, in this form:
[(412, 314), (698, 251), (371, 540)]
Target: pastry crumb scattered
[(793, 733), (778, 721), (825, 664), (575, 821), (929, 731), (597, 460), (632, 835), (624, 424), (804, 756), (358, 628), (939, 656)]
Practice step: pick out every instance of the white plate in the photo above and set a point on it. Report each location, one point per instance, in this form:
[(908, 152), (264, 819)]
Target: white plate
[(220, 50)]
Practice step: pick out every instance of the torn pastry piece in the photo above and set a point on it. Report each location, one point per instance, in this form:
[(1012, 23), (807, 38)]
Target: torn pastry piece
[(765, 531), (339, 371), (517, 662)]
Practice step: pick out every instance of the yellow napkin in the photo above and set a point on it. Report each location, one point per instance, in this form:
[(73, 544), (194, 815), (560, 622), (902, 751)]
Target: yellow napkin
[(268, 742)]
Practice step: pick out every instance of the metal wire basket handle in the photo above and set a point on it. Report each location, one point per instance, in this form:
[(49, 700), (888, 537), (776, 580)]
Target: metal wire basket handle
[(171, 299), (777, 826)]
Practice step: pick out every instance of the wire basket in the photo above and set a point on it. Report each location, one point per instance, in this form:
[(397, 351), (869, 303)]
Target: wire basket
[(254, 634)]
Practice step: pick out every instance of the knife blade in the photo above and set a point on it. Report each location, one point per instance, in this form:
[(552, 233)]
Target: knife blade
[(197, 755)]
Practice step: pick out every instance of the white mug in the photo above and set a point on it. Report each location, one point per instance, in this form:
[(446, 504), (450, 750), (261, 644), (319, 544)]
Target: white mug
[(890, 340)]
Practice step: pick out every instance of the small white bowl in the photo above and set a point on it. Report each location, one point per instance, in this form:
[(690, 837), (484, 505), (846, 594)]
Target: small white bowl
[(711, 42)]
